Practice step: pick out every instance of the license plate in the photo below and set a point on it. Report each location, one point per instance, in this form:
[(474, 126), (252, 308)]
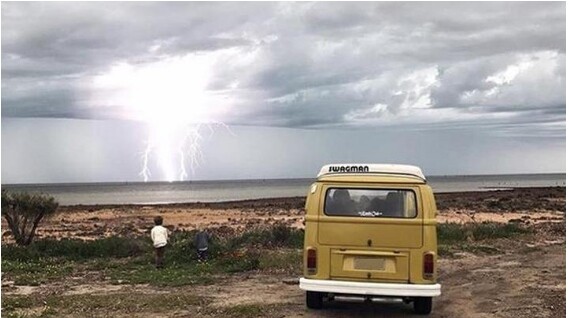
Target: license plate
[(369, 263)]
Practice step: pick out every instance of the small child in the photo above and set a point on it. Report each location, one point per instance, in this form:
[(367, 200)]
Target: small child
[(159, 235), (201, 243)]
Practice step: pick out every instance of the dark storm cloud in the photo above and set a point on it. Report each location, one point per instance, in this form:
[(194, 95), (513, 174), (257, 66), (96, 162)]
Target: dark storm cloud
[(302, 64)]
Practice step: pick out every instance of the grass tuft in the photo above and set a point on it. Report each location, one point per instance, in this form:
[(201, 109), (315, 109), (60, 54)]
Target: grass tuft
[(449, 233)]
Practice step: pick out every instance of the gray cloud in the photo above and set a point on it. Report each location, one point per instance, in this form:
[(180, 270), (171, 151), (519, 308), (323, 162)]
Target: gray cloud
[(310, 65)]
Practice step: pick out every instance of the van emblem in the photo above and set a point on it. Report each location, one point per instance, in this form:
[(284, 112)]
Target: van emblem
[(348, 169)]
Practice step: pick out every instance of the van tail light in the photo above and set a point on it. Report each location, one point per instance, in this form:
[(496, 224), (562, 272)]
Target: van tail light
[(428, 265), (311, 261)]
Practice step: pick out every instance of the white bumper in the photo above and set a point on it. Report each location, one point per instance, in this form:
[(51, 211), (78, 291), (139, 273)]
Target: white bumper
[(379, 289)]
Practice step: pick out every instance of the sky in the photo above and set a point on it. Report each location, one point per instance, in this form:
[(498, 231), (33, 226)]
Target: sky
[(134, 91)]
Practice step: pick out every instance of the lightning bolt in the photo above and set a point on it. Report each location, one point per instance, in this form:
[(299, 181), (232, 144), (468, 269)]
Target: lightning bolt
[(189, 150), (171, 96), (145, 172)]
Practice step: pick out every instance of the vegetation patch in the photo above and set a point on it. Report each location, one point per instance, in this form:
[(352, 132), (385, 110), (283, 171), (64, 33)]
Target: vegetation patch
[(130, 259), (172, 276), (36, 272), (283, 260), (470, 237), (278, 235), (73, 249), (452, 233), (520, 199), (484, 231)]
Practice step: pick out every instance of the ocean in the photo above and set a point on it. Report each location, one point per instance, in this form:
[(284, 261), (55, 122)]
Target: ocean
[(230, 190)]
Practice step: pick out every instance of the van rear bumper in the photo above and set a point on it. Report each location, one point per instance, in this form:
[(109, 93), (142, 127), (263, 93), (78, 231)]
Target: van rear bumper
[(379, 289)]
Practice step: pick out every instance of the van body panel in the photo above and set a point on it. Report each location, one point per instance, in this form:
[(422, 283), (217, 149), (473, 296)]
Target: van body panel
[(398, 234)]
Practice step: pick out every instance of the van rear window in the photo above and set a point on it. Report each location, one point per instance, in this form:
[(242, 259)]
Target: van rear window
[(370, 203)]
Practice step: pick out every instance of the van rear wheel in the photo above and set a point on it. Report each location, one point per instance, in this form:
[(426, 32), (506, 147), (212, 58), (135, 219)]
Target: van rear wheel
[(423, 305), (314, 300)]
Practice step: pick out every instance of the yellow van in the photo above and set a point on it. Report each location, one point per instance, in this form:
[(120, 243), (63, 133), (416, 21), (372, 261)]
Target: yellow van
[(371, 232)]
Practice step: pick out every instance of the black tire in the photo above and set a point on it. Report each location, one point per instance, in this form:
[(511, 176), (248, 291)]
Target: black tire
[(314, 300), (423, 305)]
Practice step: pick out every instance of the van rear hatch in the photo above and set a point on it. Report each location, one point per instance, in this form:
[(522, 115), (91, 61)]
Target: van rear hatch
[(370, 231)]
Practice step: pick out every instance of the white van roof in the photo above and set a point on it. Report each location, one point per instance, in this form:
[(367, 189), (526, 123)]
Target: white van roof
[(357, 168)]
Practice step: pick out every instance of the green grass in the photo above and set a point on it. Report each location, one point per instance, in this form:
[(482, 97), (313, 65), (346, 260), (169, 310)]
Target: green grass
[(140, 270), (172, 275), (282, 260), (73, 249), (470, 237), (129, 259), (181, 248), (36, 272), (449, 233), (496, 230), (278, 235)]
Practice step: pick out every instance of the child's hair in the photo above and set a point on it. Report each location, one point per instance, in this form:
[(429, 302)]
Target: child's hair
[(158, 220)]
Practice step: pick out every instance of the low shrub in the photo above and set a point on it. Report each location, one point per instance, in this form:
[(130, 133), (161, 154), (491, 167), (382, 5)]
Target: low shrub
[(497, 230), (240, 261), (74, 249), (449, 233), (278, 235)]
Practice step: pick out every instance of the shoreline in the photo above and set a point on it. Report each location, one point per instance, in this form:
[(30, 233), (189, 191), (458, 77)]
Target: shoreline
[(279, 201)]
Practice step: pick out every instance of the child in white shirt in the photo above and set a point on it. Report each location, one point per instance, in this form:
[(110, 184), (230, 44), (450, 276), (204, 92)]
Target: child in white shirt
[(159, 235)]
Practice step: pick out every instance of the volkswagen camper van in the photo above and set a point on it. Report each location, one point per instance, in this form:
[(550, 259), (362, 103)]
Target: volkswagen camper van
[(371, 232)]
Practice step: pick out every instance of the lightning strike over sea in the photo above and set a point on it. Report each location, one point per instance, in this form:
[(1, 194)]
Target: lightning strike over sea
[(172, 97)]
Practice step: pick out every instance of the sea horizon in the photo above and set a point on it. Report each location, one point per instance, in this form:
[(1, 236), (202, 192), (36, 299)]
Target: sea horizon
[(257, 179)]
